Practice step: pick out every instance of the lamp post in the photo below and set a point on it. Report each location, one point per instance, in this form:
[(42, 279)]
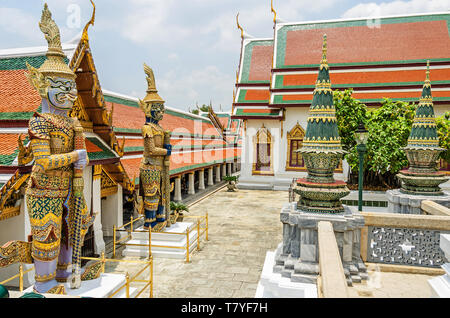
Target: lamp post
[(361, 136)]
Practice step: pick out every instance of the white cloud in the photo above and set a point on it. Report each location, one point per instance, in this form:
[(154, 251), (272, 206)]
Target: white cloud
[(147, 21), (18, 22), (396, 7), (201, 85)]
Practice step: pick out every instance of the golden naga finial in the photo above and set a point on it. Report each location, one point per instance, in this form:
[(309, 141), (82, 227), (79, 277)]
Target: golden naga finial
[(239, 26), (273, 11), (85, 36)]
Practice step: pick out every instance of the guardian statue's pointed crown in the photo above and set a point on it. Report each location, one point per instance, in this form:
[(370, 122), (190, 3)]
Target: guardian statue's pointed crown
[(54, 65)]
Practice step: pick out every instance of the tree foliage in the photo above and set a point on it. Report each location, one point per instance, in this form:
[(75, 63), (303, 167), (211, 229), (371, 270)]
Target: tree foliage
[(388, 126), (443, 130), (204, 108), (349, 113)]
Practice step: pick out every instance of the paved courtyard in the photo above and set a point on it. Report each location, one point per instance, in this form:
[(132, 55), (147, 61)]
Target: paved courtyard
[(243, 226)]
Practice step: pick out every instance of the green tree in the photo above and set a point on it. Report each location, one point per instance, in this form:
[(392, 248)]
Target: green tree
[(204, 108), (443, 130), (349, 113), (389, 127)]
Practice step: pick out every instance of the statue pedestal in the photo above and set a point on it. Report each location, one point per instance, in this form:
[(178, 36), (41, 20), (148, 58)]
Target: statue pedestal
[(102, 287), (174, 244), (440, 286), (298, 257), (273, 285), (403, 203)]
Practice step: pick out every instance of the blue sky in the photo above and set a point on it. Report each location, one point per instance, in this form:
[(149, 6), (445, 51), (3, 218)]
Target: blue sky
[(193, 46)]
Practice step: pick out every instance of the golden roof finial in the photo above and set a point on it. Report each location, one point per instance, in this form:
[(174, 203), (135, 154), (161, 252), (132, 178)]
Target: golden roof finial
[(85, 36), (428, 71), (273, 11), (239, 26)]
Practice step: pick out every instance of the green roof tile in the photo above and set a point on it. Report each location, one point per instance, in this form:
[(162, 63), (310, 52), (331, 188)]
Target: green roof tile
[(104, 154)]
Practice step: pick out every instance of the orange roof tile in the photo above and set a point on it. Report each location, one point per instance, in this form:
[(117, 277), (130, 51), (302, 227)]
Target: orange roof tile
[(16, 93), (362, 44), (8, 143)]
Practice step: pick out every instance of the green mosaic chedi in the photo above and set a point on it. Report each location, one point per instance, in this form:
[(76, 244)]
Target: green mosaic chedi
[(321, 150), (422, 177)]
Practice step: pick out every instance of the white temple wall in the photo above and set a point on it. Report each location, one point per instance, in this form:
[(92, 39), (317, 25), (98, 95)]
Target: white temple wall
[(292, 116), (440, 110), (246, 179), (112, 211), (281, 178)]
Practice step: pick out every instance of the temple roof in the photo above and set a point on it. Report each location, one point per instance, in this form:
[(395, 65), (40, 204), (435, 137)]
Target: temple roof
[(253, 81), (196, 141), (377, 58)]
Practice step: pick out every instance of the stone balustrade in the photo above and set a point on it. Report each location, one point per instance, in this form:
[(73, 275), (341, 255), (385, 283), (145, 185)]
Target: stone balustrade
[(433, 208), (400, 239), (332, 278)]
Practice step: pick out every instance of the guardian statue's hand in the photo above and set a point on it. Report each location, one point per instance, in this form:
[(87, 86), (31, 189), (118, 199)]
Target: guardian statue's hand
[(82, 159), (169, 149)]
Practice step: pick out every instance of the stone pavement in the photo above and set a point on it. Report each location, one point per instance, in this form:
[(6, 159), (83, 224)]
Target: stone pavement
[(392, 285), (243, 226)]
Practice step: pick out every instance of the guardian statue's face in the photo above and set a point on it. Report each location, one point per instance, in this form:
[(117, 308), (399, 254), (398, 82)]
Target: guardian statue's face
[(61, 92), (157, 111)]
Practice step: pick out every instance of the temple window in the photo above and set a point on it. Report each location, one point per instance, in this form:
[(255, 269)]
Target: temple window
[(294, 160), (263, 152)]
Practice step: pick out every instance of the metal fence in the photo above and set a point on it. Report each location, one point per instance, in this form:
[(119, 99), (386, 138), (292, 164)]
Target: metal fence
[(147, 264), (129, 228)]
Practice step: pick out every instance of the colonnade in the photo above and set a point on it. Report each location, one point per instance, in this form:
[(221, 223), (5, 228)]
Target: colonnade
[(214, 174)]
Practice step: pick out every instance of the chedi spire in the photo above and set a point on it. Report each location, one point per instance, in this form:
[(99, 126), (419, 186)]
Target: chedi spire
[(422, 150), (321, 150)]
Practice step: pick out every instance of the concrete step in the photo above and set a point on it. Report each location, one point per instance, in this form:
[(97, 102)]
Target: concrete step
[(123, 292), (179, 227), (102, 287), (165, 252)]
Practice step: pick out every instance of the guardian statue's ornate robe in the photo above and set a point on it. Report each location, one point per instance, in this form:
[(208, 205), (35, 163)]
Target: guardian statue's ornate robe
[(49, 194), (151, 186)]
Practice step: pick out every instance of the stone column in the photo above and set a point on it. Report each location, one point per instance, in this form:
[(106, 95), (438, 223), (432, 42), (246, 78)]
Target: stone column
[(229, 172), (234, 167), (224, 169), (218, 179), (201, 175), (191, 183), (210, 176), (177, 196), (99, 243)]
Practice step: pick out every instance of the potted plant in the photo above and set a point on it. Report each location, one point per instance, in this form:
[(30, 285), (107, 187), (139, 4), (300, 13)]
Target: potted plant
[(177, 211), (231, 182)]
